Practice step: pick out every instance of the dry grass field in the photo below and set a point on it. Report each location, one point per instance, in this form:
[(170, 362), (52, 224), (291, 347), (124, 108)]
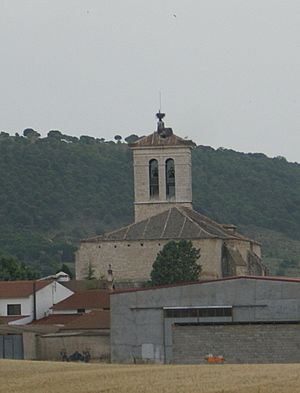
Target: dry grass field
[(50, 377)]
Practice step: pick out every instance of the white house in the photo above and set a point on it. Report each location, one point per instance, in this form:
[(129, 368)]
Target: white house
[(21, 302)]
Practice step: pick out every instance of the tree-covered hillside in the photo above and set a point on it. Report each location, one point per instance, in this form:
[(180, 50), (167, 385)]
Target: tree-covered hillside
[(58, 189), (248, 189)]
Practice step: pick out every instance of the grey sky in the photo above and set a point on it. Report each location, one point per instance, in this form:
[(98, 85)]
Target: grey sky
[(229, 70)]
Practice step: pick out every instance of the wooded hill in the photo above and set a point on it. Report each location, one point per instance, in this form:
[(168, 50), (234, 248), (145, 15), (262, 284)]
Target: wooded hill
[(58, 189)]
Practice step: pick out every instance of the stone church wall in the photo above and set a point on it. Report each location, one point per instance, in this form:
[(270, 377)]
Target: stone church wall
[(244, 247), (132, 260)]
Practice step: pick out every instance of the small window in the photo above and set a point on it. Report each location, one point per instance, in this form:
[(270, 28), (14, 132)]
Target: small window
[(153, 178), (81, 310), (14, 309), (207, 312), (170, 178)]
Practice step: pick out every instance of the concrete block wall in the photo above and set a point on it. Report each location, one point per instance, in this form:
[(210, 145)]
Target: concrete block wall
[(50, 346), (29, 345), (257, 343)]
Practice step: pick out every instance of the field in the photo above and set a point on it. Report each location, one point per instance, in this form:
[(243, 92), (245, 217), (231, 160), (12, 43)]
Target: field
[(50, 377)]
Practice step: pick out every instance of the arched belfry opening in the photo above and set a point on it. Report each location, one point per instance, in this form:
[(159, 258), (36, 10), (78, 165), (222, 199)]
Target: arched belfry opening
[(170, 178), (153, 179)]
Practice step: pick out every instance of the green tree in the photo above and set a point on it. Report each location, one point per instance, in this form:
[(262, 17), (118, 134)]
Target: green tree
[(132, 138), (65, 268), (31, 134), (70, 138), (55, 134), (90, 275), (87, 139), (11, 269), (118, 138), (176, 262)]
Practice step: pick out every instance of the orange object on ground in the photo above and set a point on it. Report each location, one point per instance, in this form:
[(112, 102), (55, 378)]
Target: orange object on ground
[(214, 359)]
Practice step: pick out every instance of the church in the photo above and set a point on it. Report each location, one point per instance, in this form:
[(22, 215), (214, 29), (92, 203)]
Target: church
[(163, 211)]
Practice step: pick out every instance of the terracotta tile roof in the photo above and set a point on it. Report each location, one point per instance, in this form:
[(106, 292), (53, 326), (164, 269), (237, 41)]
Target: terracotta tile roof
[(176, 223), (91, 299), (182, 284), (83, 285), (97, 319), (57, 319), (10, 318), (155, 140), (16, 289)]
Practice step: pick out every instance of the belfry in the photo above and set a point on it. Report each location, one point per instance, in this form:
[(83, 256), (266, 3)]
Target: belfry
[(162, 172)]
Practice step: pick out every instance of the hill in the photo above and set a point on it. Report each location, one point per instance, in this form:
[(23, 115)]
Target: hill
[(58, 189)]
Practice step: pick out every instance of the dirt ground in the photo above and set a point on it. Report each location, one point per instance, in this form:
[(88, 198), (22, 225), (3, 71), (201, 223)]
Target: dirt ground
[(49, 377)]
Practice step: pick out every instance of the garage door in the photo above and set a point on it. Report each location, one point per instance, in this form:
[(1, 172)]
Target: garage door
[(11, 346), (237, 343)]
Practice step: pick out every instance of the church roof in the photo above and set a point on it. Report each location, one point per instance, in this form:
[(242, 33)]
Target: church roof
[(156, 140), (176, 223)]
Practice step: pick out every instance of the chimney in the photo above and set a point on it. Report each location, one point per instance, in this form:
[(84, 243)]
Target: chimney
[(230, 228), (34, 300)]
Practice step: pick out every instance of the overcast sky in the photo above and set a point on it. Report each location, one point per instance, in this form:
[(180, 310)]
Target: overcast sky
[(228, 70)]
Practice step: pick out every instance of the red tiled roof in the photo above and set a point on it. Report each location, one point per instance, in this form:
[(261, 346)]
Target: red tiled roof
[(57, 319), (97, 319), (175, 223), (91, 299), (6, 319), (156, 140), (16, 289), (266, 278)]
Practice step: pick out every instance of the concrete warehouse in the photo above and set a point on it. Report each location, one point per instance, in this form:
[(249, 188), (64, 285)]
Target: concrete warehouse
[(244, 319)]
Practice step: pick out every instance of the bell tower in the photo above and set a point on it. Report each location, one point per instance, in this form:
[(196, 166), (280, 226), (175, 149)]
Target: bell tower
[(162, 172)]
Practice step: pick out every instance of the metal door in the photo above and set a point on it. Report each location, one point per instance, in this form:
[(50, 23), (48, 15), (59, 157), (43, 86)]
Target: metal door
[(11, 346)]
